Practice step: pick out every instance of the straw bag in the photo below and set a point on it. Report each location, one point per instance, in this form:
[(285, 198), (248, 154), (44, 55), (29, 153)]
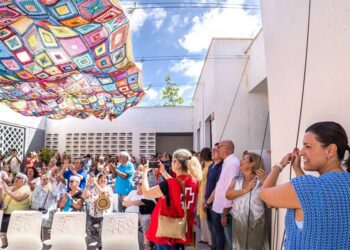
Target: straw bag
[(175, 228), (103, 202)]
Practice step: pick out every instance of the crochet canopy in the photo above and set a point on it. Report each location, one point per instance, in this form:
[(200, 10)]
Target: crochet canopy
[(67, 57)]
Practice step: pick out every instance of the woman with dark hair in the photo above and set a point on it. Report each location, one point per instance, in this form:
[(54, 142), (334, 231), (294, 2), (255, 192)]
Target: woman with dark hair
[(248, 211), (206, 161), (94, 189), (318, 207), (33, 178), (169, 192)]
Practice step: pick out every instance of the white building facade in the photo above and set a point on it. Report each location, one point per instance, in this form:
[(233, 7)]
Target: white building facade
[(20, 132), (231, 100), (140, 131)]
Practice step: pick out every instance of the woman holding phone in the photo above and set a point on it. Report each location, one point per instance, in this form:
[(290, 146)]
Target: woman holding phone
[(189, 172)]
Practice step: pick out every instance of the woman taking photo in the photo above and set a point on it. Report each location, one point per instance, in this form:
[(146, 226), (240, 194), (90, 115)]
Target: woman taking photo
[(318, 207), (188, 172), (248, 232), (94, 189), (14, 198)]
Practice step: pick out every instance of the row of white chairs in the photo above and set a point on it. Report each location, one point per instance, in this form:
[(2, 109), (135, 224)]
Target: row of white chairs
[(119, 231)]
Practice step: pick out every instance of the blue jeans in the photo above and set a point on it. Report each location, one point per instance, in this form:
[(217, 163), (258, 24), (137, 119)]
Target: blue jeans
[(168, 247), (211, 227), (228, 233), (218, 235), (222, 235)]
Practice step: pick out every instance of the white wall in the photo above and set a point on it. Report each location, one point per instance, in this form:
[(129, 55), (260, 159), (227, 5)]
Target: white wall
[(256, 69), (136, 120), (215, 93), (327, 85), (33, 125)]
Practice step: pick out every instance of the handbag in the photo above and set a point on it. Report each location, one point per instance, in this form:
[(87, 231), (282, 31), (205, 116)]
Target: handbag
[(103, 202), (173, 227)]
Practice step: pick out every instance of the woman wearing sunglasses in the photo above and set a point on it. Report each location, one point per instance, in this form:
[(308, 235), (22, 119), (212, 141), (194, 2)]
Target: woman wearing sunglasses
[(17, 197)]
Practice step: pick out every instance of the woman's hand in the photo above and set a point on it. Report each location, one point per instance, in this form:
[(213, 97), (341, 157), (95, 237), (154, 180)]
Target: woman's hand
[(296, 162), (261, 174), (161, 167), (5, 187), (296, 158), (251, 185), (90, 181), (286, 159), (146, 168)]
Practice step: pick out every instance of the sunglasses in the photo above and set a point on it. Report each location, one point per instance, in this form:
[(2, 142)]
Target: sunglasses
[(17, 177)]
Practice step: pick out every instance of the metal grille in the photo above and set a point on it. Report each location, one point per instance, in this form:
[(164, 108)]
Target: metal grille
[(12, 137)]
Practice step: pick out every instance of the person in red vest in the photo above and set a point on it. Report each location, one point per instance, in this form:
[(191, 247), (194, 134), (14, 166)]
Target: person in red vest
[(188, 171)]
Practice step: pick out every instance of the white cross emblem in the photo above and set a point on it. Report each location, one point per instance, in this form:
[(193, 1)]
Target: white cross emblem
[(190, 194)]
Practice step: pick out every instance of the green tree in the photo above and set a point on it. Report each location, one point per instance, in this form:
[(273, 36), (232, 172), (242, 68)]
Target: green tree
[(46, 155), (170, 93)]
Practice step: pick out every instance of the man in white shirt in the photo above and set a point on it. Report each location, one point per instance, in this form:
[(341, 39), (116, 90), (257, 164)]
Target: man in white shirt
[(222, 221), (14, 161)]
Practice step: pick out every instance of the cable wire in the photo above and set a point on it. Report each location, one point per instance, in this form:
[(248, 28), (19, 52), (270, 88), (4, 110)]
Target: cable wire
[(250, 192), (234, 100), (302, 98)]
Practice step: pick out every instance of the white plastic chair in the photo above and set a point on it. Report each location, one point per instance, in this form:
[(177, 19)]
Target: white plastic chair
[(68, 231), (120, 231), (24, 231), (115, 202)]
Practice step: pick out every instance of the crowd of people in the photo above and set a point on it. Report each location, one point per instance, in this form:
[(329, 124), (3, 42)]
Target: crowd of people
[(228, 195)]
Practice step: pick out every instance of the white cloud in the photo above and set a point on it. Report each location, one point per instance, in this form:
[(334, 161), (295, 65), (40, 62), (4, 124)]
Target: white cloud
[(176, 21), (138, 17), (190, 68), (158, 15), (183, 89), (219, 23), (152, 94), (173, 23)]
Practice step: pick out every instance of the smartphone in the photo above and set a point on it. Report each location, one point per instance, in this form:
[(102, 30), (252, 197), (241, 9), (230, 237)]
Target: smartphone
[(153, 164)]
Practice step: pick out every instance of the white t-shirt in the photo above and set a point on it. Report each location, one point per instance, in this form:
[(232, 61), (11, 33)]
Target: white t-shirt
[(14, 165), (133, 196)]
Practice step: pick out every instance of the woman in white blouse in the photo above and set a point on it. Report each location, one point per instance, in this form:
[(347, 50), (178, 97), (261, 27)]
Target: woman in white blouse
[(94, 189)]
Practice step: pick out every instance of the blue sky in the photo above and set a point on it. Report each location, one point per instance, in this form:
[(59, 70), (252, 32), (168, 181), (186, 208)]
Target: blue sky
[(186, 33)]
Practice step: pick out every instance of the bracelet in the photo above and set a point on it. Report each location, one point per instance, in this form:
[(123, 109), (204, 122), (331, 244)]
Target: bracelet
[(223, 215), (279, 165)]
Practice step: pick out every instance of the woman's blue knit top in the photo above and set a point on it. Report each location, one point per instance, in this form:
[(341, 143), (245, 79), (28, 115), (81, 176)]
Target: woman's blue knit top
[(325, 201)]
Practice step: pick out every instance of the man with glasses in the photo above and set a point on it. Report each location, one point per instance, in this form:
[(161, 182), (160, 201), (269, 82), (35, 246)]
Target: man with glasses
[(222, 220)]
